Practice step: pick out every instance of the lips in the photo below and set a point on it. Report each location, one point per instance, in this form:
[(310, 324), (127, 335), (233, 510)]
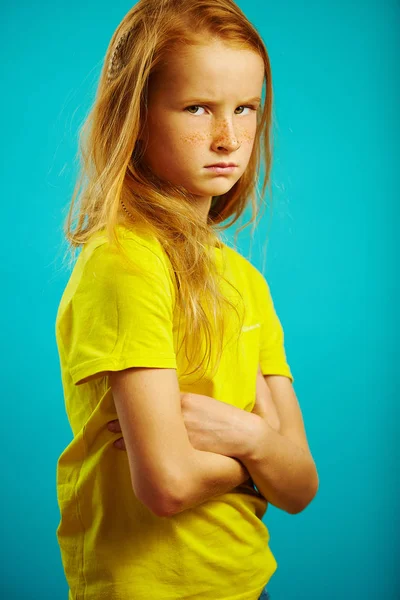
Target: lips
[(221, 164)]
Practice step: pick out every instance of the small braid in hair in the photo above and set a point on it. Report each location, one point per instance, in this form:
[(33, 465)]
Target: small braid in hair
[(117, 62)]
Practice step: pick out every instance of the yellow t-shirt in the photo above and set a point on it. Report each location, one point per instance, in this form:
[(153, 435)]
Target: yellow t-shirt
[(112, 546)]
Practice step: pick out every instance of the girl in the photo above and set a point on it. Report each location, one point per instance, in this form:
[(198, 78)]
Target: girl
[(162, 327)]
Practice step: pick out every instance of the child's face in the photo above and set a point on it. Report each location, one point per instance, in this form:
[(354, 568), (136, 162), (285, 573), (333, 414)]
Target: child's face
[(184, 132)]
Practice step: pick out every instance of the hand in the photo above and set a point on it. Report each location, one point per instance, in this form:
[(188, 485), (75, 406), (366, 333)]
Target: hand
[(212, 425), (201, 435)]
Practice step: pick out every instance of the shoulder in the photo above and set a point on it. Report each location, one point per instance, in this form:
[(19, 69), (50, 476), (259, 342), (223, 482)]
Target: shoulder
[(140, 257), (135, 249), (239, 262), (132, 241)]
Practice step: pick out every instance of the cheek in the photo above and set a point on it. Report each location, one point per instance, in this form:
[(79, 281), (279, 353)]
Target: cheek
[(194, 139), (247, 137)]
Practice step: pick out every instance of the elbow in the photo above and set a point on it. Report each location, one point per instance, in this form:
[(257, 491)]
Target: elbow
[(166, 508), (298, 508), (160, 504), (167, 505), (160, 501), (174, 500), (307, 497)]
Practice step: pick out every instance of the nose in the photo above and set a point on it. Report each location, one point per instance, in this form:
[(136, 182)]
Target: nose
[(225, 137)]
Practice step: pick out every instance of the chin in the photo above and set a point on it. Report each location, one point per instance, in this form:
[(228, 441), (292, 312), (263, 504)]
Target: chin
[(211, 188), (216, 188)]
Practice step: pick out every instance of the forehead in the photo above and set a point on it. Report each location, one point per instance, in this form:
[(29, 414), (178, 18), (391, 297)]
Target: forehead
[(214, 70)]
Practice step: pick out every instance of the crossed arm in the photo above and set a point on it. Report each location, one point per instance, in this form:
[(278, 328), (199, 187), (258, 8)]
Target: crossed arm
[(269, 445)]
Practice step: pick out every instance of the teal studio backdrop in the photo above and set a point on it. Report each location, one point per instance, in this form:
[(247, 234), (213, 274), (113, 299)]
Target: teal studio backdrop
[(331, 255)]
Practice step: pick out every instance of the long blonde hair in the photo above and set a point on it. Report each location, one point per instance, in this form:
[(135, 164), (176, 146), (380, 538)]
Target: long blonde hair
[(115, 186)]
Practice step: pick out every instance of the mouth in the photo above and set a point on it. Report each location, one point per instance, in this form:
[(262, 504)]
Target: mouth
[(222, 164), (222, 170)]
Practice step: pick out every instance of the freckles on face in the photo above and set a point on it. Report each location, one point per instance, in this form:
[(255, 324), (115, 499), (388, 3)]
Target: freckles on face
[(196, 139), (245, 136)]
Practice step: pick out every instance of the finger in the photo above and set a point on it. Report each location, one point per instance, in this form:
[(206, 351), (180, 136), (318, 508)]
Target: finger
[(114, 425), (120, 444)]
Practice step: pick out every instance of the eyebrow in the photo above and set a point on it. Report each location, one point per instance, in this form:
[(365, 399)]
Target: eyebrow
[(211, 103)]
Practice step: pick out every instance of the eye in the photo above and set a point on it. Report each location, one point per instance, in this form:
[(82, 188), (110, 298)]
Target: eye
[(252, 108), (194, 106)]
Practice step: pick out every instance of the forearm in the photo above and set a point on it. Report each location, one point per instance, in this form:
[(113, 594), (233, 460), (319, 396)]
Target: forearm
[(208, 475), (283, 472)]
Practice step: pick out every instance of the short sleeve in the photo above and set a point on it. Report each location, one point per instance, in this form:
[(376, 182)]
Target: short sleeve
[(120, 317), (272, 358)]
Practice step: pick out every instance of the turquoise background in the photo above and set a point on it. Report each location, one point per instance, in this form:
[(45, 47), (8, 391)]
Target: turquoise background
[(332, 252)]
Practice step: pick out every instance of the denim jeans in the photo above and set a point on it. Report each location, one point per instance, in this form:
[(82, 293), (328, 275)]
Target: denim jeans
[(264, 595)]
